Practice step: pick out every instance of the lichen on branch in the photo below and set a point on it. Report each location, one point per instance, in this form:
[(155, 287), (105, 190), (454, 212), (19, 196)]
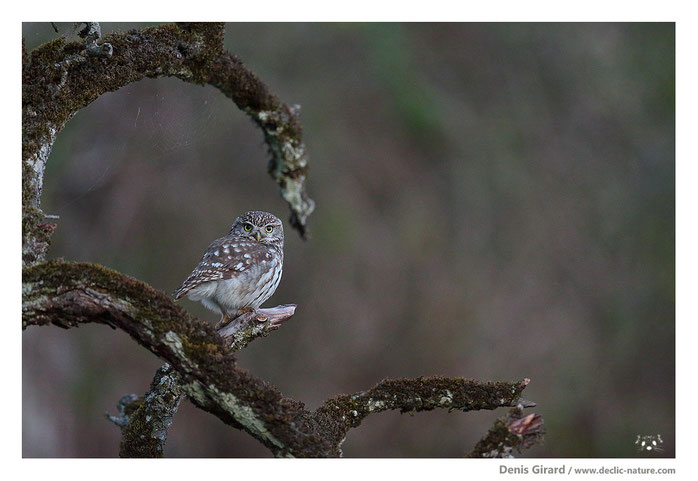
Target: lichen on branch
[(67, 294), (59, 78), (144, 428), (145, 421), (347, 411), (513, 432)]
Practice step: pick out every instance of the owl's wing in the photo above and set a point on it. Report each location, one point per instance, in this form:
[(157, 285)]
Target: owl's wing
[(225, 258)]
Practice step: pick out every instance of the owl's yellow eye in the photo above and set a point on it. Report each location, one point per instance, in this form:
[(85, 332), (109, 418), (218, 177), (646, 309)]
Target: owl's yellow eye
[(248, 227), (268, 228)]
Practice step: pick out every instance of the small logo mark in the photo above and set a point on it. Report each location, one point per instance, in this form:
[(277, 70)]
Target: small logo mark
[(649, 443)]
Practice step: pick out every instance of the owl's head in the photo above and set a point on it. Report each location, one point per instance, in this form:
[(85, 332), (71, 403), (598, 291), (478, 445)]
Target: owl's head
[(259, 226)]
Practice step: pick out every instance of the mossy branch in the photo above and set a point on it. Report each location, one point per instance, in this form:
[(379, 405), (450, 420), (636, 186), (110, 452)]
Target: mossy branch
[(59, 78), (511, 432), (346, 411), (67, 294), (144, 427), (145, 421)]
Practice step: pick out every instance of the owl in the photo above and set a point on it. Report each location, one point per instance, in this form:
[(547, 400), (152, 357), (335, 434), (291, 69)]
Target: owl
[(240, 271)]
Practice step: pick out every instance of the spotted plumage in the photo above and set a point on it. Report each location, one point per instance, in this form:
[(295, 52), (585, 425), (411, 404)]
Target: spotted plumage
[(240, 270)]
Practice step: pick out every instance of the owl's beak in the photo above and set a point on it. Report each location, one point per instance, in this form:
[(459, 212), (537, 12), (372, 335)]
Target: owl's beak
[(258, 235)]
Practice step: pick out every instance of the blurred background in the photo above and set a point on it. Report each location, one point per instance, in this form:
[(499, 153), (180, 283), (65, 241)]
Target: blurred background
[(494, 201)]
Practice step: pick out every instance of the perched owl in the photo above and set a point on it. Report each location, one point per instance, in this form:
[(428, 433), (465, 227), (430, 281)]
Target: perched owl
[(241, 270)]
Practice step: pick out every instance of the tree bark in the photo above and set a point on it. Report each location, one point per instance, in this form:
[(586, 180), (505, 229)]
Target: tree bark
[(60, 78)]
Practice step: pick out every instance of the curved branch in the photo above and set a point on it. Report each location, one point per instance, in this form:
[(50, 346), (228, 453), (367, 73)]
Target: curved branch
[(60, 78), (144, 427), (346, 411), (67, 294)]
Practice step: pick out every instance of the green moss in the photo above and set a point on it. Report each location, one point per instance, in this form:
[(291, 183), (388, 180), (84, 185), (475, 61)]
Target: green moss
[(36, 236), (502, 439), (132, 407), (153, 319), (149, 315), (200, 349), (343, 412), (58, 79), (133, 442), (498, 442)]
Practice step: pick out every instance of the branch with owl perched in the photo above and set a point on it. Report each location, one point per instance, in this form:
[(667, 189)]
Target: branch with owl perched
[(68, 294), (60, 78)]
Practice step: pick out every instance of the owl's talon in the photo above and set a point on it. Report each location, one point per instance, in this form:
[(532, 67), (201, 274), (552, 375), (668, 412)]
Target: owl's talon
[(243, 310), (225, 320)]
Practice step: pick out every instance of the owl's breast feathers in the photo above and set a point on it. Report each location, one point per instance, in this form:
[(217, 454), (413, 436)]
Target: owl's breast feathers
[(228, 258)]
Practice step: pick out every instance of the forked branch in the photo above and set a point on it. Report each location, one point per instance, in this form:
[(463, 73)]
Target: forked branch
[(60, 78), (68, 294), (144, 421)]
